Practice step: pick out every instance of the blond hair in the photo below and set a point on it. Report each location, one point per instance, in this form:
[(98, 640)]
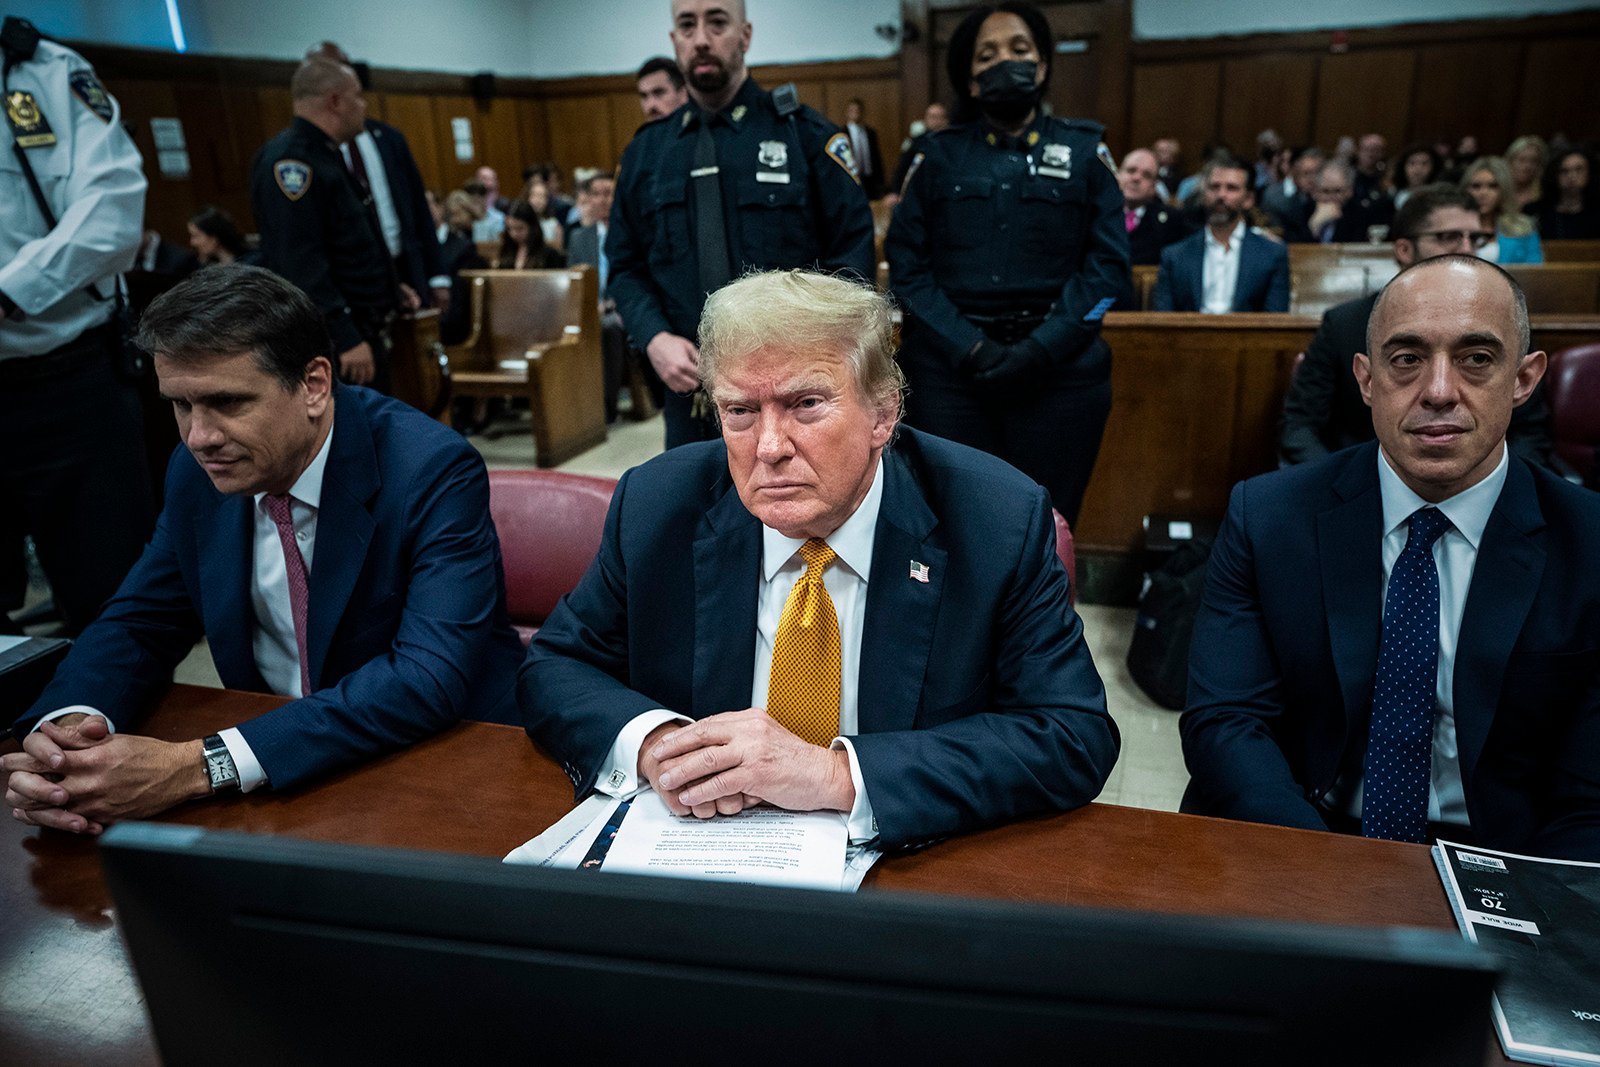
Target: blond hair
[(797, 311), (1509, 218)]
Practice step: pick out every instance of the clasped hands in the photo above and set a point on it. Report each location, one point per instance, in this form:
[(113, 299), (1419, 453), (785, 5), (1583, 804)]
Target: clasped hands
[(73, 774), (725, 763), (992, 363)]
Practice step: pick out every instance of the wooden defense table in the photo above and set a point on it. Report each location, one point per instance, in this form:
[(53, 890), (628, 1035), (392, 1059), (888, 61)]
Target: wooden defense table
[(68, 994)]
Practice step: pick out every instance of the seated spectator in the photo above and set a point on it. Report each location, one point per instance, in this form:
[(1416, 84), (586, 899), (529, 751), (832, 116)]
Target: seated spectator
[(493, 203), (523, 247), (1527, 158), (333, 546), (1227, 266), (557, 207), (1399, 641), (1337, 216), (1372, 167), (1488, 179), (1268, 169), (1324, 411), (1419, 165), (216, 239), (1188, 191), (1152, 225), (458, 252), (1571, 206), (491, 222), (537, 194), (588, 247), (1169, 157), (1288, 203)]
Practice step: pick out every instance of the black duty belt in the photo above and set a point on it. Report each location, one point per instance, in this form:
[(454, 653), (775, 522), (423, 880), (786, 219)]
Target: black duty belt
[(1009, 327), (70, 358)]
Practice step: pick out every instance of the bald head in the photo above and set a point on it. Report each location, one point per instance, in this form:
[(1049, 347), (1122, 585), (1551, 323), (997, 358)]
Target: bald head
[(319, 77), (328, 95), (1137, 177), (1449, 274)]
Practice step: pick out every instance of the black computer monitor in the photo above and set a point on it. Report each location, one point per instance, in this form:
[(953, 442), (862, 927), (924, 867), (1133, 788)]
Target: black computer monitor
[(272, 950)]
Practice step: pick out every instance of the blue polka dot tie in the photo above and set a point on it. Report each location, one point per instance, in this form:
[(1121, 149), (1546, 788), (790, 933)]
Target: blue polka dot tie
[(1394, 792)]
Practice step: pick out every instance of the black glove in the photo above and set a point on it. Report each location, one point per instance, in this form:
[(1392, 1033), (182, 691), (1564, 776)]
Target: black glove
[(984, 357), (1011, 363)]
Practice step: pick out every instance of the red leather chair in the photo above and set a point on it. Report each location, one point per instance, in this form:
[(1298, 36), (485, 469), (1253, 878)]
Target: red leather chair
[(1572, 387), (549, 525), (1068, 557)]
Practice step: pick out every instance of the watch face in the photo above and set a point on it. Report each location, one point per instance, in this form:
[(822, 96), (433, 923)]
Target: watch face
[(219, 766)]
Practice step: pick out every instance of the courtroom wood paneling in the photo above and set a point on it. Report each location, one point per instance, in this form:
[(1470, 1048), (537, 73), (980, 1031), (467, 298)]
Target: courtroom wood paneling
[(1561, 88), (453, 172), (880, 100), (412, 115), (533, 124), (626, 118), (1177, 100), (581, 132), (1465, 87), (502, 147), (1361, 92), (1267, 92)]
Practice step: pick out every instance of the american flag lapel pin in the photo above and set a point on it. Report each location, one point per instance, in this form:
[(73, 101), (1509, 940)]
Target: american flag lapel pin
[(919, 572)]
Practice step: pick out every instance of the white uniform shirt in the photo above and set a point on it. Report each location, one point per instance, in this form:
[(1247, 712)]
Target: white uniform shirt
[(93, 179)]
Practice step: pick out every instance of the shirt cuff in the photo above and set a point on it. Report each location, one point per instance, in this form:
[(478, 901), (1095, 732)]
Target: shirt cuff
[(861, 823), (77, 709), (619, 775), (439, 281), (251, 773)]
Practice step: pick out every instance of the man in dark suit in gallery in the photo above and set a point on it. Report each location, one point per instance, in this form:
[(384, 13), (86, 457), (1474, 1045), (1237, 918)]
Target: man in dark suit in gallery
[(1400, 640), (864, 139), (1323, 411), (1227, 266), (805, 615), (1152, 225), (332, 545)]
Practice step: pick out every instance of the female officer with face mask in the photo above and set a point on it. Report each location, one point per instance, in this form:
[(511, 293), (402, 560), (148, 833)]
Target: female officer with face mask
[(1006, 249)]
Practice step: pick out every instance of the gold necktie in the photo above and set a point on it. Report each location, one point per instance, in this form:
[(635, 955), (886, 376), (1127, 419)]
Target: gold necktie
[(803, 693)]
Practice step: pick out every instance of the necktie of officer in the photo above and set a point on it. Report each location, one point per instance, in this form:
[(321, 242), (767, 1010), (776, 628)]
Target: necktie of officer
[(1394, 792), (803, 692), (299, 584), (711, 230)]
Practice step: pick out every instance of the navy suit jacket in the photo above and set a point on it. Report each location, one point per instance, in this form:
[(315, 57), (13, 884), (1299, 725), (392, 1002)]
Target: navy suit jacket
[(407, 621), (1285, 652), (978, 699), (1263, 275)]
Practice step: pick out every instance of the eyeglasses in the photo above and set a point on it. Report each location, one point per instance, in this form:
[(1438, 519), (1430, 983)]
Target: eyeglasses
[(1478, 238)]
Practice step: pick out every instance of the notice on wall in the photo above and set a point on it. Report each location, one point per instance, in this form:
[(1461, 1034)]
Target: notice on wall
[(168, 134), (461, 129)]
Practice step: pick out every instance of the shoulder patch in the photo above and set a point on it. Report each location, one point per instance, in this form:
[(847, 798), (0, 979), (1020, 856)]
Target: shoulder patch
[(839, 150), (86, 87), (1103, 154), (293, 177), (911, 171)]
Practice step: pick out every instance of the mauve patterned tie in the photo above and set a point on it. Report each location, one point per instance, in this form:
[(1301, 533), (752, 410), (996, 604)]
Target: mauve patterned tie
[(1394, 791), (299, 586)]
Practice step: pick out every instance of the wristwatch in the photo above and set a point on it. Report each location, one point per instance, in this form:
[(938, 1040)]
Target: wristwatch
[(219, 764)]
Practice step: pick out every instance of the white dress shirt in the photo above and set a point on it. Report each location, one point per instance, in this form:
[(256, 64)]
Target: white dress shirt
[(863, 148), (1455, 554), (277, 653), (781, 567), (1220, 273), (378, 182)]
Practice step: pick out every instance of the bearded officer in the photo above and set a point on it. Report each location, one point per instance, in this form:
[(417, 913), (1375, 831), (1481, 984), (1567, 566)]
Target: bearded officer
[(738, 179), (318, 228)]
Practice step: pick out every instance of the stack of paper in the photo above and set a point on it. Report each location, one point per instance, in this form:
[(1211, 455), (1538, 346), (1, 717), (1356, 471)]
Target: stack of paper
[(761, 846)]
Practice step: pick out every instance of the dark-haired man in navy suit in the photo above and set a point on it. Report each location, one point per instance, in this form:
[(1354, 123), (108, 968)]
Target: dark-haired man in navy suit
[(805, 616), (1403, 639), (332, 545), (1227, 266)]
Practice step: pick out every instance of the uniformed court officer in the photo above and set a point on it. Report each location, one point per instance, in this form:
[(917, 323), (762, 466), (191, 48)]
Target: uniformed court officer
[(317, 228), (1006, 249), (732, 181), (71, 208)]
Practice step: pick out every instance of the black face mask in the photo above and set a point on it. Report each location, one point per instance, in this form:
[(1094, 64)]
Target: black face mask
[(1006, 91)]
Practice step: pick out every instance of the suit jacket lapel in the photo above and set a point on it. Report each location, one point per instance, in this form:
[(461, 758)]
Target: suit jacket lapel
[(1245, 284), (1505, 581), (224, 537), (1197, 279), (344, 526), (1352, 578), (897, 630), (727, 575)]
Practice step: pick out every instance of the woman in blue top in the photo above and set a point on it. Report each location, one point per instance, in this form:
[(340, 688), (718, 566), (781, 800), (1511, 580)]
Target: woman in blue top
[(1488, 181)]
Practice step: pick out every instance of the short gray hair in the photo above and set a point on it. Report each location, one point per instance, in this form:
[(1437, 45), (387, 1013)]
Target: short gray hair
[(800, 310), (1519, 299), (319, 77)]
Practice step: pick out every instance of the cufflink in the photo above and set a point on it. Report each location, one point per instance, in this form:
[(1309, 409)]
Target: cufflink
[(618, 778)]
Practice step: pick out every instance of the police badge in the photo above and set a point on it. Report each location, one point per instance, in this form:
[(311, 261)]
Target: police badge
[(774, 157), (28, 124), (1056, 161), (293, 177)]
